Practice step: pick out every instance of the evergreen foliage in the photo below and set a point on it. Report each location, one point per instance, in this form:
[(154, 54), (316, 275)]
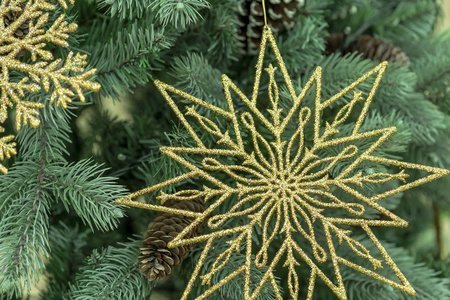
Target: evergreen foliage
[(111, 273), (32, 188), (67, 252), (58, 218)]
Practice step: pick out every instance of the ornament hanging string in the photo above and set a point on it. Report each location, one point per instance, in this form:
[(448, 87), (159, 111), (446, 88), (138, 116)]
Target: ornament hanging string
[(264, 11)]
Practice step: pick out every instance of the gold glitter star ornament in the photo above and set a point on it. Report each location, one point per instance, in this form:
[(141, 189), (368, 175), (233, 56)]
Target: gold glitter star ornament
[(67, 78), (279, 190)]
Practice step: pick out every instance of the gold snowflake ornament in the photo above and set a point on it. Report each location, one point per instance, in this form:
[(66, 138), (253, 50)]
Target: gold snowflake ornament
[(282, 189), (66, 78)]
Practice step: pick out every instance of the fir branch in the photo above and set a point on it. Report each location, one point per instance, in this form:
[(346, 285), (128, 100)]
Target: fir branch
[(111, 273), (24, 240), (125, 57), (217, 34), (68, 244), (178, 13), (82, 187), (442, 74), (298, 55), (197, 77), (431, 63), (54, 130), (410, 21), (30, 239), (132, 59), (436, 153), (126, 9), (24, 222), (438, 229), (386, 9)]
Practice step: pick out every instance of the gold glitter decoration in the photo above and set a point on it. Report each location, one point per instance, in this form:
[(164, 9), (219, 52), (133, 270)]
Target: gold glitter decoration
[(68, 78), (283, 190)]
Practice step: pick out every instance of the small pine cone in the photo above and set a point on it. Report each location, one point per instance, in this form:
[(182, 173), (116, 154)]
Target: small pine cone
[(11, 16), (378, 50), (20, 32), (370, 48), (280, 14), (155, 259), (333, 43)]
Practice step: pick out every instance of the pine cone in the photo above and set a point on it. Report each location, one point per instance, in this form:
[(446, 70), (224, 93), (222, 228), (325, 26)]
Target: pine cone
[(369, 47), (11, 16), (20, 32), (156, 260), (280, 14), (333, 43)]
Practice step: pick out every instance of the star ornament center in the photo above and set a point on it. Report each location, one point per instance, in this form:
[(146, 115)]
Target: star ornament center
[(273, 191)]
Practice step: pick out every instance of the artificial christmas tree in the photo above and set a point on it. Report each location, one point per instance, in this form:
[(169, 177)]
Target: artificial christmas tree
[(58, 215)]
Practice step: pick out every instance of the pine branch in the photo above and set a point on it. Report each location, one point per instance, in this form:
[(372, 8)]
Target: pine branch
[(126, 56), (68, 244), (126, 9), (442, 74), (178, 13), (299, 56), (23, 247), (24, 211), (431, 63), (195, 76), (410, 21), (111, 273), (82, 187), (219, 45), (24, 237)]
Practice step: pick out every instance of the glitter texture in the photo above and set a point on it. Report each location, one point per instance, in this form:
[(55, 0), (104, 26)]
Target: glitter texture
[(282, 188), (66, 79)]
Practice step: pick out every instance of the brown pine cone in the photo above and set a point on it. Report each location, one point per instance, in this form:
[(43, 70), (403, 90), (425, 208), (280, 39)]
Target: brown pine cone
[(280, 14), (155, 259), (333, 43), (20, 32), (369, 47), (11, 16)]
